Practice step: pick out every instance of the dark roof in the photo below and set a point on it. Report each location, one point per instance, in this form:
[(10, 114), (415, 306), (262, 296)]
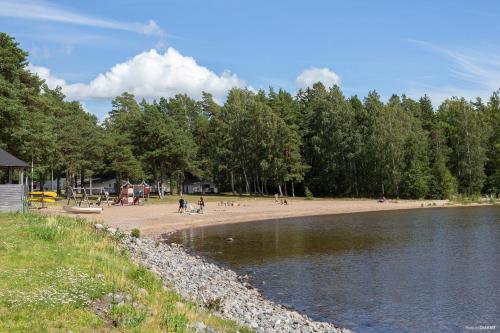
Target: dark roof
[(8, 160)]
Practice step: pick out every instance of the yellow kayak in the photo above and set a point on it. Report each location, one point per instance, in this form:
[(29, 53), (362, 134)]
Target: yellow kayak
[(42, 199), (45, 194)]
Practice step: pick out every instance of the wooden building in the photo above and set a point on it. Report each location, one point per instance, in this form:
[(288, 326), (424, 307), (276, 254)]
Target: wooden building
[(12, 182)]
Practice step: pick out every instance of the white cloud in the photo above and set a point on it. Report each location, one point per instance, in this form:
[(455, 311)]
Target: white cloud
[(475, 74), (45, 74), (312, 75), (49, 12), (150, 75)]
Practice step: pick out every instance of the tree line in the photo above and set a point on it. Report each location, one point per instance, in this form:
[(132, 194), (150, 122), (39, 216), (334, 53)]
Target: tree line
[(257, 142)]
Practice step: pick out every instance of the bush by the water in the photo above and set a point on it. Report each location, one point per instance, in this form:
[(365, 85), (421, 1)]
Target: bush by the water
[(308, 193), (136, 233)]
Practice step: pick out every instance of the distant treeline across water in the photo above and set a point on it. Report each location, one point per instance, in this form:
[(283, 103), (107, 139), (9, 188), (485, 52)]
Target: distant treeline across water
[(317, 141)]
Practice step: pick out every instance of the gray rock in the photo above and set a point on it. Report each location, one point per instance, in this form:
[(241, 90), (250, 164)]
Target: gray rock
[(207, 284), (98, 226), (143, 292)]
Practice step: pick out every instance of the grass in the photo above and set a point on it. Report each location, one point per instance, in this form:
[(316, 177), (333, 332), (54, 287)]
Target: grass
[(462, 199), (56, 274)]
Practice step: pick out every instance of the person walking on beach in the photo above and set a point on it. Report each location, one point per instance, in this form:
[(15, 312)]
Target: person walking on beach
[(201, 203), (181, 205)]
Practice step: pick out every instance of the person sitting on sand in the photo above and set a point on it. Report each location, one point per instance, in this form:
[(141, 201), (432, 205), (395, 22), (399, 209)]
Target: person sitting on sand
[(181, 205)]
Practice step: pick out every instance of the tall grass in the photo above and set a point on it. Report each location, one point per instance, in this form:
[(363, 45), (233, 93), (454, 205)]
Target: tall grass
[(56, 275)]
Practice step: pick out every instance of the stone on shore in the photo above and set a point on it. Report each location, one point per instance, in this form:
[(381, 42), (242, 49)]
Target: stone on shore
[(220, 290)]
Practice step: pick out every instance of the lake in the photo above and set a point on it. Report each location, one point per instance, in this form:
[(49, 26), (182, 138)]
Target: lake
[(424, 270)]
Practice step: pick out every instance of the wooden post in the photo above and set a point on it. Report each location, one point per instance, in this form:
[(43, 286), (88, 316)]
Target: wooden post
[(9, 175), (32, 173)]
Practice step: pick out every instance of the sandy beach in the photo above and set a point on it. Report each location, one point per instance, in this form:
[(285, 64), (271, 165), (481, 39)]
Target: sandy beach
[(156, 219)]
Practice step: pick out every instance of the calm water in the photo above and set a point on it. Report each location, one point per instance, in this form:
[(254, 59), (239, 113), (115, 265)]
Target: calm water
[(428, 270)]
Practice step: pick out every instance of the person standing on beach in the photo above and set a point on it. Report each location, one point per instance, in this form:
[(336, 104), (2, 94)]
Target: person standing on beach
[(181, 205), (201, 203)]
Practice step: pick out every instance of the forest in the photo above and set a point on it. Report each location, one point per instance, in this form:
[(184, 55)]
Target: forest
[(317, 141)]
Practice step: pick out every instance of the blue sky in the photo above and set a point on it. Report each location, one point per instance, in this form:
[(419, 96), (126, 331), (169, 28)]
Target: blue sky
[(95, 49)]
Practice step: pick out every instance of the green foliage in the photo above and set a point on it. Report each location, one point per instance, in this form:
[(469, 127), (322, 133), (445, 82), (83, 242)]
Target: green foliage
[(256, 142), (53, 281), (144, 278), (175, 322), (308, 193), (128, 316), (136, 233)]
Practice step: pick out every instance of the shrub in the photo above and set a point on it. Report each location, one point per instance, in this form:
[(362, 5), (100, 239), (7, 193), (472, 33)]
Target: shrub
[(136, 233), (213, 304), (492, 199), (175, 322), (145, 278), (309, 194), (45, 228), (127, 315)]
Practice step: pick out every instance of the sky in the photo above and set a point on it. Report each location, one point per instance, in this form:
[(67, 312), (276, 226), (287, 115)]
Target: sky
[(95, 50)]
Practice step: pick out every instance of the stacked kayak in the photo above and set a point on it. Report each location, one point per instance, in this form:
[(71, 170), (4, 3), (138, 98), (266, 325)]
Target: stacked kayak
[(45, 197)]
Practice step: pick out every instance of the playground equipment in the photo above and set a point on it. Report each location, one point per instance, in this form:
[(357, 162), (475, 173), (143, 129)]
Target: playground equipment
[(84, 198), (142, 190), (131, 194)]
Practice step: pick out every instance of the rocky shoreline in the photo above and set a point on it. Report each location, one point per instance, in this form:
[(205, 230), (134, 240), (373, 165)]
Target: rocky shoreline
[(219, 289)]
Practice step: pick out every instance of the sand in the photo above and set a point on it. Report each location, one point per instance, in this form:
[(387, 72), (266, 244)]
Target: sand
[(156, 219)]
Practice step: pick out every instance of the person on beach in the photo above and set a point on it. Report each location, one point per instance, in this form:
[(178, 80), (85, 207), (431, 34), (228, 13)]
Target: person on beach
[(201, 203), (181, 205)]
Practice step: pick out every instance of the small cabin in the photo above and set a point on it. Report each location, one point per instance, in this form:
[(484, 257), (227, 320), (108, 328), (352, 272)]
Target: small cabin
[(199, 188), (12, 190)]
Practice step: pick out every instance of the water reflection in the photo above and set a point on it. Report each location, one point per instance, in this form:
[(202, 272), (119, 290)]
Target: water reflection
[(420, 270)]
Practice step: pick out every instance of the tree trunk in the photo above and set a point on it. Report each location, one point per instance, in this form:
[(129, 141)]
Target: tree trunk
[(232, 183), (257, 183), (279, 188), (355, 179), (32, 172), (171, 182), (179, 186), (286, 193), (58, 186), (159, 186), (247, 185), (68, 182), (82, 177), (293, 189)]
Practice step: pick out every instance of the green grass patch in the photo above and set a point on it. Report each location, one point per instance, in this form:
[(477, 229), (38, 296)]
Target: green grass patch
[(57, 274)]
